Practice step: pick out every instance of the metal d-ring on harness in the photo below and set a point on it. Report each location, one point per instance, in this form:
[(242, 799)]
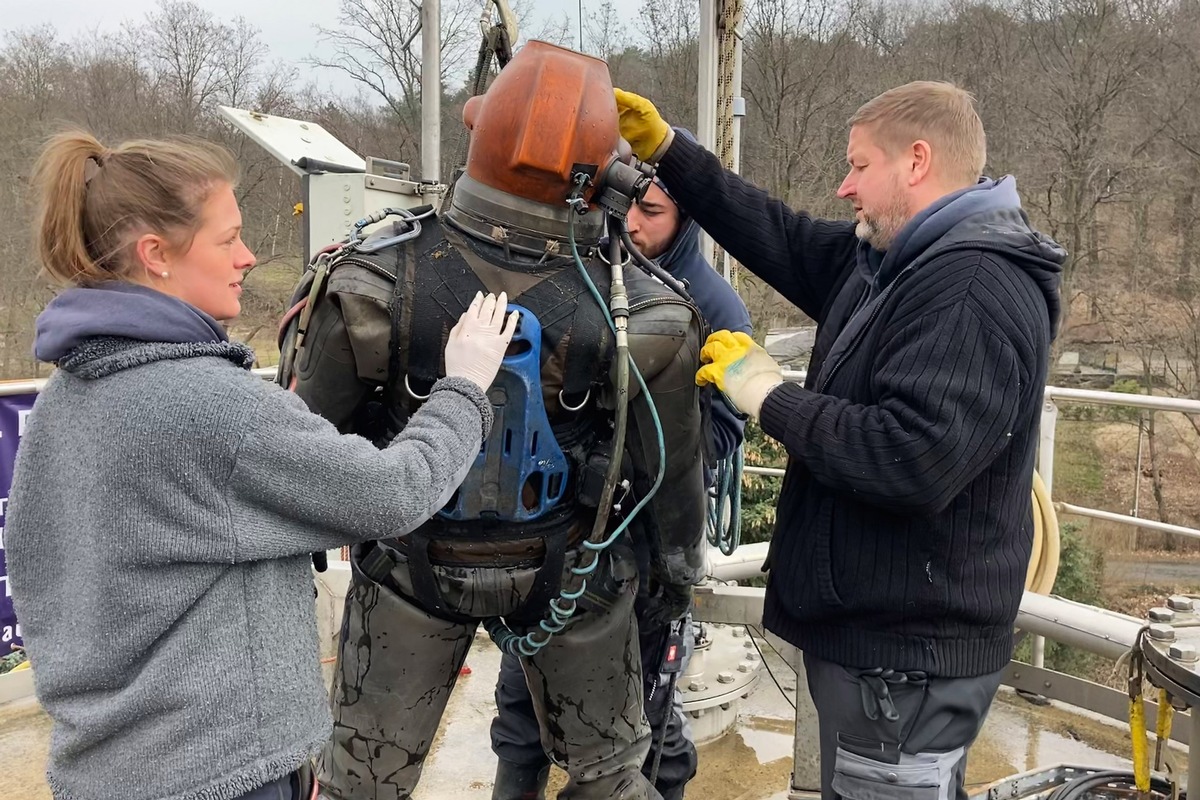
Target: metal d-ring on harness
[(408, 388), (616, 313), (562, 401)]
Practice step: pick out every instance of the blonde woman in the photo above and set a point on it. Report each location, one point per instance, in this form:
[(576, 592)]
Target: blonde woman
[(165, 499)]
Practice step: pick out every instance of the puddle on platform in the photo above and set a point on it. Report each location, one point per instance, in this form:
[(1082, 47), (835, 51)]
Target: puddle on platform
[(752, 763), (1019, 736), (769, 738)]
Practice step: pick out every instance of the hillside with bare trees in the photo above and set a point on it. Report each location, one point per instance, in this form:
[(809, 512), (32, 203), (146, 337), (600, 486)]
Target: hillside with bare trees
[(1091, 104)]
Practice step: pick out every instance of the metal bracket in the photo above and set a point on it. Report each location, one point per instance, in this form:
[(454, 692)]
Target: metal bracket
[(507, 19)]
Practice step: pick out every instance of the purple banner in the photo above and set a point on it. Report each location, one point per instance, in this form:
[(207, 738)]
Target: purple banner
[(13, 411)]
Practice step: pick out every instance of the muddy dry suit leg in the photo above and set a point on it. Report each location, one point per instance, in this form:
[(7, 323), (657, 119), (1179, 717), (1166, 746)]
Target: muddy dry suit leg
[(920, 753), (586, 687), (521, 773), (395, 670), (397, 665)]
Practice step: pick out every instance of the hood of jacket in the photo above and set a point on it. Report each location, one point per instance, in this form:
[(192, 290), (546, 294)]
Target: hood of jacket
[(987, 216), (98, 330)]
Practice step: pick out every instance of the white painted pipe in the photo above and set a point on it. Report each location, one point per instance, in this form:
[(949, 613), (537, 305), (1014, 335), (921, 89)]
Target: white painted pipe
[(431, 90), (1093, 629), (745, 563)]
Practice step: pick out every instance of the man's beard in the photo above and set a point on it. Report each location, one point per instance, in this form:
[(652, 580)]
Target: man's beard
[(646, 249), (880, 229)]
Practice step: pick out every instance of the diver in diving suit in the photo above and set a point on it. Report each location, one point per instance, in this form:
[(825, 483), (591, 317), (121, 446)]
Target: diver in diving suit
[(541, 500)]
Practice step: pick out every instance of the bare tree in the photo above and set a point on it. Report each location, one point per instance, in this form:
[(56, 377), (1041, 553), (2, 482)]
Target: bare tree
[(377, 44), (798, 77), (671, 29), (1090, 58), (33, 68), (182, 45), (607, 37)]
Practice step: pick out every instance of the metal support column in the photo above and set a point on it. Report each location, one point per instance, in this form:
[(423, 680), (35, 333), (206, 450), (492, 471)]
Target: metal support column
[(706, 86), (1046, 470), (431, 90)]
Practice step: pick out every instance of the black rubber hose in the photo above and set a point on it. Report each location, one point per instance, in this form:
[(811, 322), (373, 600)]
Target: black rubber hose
[(654, 269), (1081, 788)]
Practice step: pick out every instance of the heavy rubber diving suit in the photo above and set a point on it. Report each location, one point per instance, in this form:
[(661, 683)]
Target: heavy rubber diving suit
[(505, 545)]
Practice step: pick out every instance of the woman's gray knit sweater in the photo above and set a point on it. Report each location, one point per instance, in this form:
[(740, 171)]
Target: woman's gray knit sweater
[(164, 505)]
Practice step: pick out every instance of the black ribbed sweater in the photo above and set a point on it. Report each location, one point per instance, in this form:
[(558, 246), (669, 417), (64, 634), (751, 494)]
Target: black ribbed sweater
[(904, 522)]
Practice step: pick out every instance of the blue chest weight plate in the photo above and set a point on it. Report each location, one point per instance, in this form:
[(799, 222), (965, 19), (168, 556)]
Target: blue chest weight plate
[(521, 472)]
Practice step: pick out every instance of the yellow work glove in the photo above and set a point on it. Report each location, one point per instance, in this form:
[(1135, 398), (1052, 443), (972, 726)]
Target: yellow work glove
[(739, 368), (641, 125)]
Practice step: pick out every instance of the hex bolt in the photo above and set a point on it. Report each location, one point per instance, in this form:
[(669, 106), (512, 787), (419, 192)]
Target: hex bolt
[(697, 686), (745, 666), (754, 656), (1181, 603), (738, 632), (748, 645), (725, 706), (1161, 614), (1162, 633), (1181, 651), (725, 677)]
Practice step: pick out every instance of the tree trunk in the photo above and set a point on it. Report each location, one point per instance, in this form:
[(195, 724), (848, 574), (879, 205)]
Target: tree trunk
[(1156, 481), (1185, 230)]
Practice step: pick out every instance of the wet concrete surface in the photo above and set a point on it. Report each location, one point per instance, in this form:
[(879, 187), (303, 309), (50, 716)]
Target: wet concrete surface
[(1155, 572), (754, 762), (24, 739)]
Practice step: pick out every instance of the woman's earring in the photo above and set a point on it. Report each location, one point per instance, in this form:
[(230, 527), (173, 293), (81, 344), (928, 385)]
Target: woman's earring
[(164, 274)]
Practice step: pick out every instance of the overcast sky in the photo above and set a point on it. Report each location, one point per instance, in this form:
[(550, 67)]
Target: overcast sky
[(288, 26)]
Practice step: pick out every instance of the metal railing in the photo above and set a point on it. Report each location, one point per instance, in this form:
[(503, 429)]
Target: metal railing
[(1046, 454), (1096, 630)]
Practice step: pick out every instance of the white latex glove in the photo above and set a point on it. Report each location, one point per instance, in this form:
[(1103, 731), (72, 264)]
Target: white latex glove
[(477, 343)]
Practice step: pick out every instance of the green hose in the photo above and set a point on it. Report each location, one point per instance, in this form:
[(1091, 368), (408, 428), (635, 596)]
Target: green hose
[(727, 494)]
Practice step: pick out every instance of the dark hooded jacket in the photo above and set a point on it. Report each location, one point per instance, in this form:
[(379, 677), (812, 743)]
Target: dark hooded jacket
[(904, 523)]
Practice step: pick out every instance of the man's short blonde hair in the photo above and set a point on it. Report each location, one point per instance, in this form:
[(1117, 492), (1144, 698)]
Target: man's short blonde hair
[(940, 113)]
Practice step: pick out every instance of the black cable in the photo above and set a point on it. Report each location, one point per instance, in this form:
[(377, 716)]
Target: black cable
[(654, 269), (767, 666), (767, 641), (1081, 788), (662, 730)]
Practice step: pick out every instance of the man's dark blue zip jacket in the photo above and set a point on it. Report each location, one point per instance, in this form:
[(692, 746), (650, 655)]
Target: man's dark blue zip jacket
[(904, 523)]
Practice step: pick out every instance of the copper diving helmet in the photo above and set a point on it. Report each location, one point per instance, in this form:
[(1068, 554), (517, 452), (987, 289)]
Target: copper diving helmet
[(549, 115)]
